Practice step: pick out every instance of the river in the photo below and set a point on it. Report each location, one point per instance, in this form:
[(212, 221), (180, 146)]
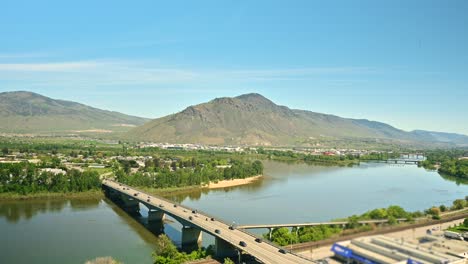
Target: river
[(73, 231)]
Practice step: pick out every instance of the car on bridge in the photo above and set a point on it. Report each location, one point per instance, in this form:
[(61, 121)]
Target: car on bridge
[(242, 244), (190, 218), (161, 205), (217, 231), (135, 194), (283, 251), (258, 240)]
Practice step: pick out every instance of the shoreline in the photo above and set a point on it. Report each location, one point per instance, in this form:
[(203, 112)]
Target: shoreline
[(233, 182), (162, 192), (52, 195)]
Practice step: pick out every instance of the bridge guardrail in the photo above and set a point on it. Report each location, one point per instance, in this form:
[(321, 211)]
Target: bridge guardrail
[(274, 245), (169, 201)]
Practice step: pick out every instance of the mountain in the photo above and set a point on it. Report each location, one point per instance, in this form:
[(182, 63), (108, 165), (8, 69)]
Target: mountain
[(432, 136), (27, 112), (254, 120)]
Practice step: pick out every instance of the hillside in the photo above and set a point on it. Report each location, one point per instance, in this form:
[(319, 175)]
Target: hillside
[(27, 112), (254, 120)]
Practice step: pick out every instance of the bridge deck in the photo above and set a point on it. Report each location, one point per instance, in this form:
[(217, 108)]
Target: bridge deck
[(264, 252)]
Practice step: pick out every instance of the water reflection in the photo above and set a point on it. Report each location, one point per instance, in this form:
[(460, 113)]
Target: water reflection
[(14, 211), (197, 194), (83, 204), (457, 180), (136, 222)]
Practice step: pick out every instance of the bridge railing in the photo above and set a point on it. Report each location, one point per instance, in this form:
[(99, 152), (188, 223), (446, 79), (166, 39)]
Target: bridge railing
[(274, 245), (172, 202)]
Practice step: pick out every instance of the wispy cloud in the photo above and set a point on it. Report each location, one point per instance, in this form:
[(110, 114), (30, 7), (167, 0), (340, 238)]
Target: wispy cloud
[(122, 72), (22, 55), (48, 67)]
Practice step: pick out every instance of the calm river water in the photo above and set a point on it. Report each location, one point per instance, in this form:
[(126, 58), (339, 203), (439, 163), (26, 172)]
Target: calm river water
[(73, 231)]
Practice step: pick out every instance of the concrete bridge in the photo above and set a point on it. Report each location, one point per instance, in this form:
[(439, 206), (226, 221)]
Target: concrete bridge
[(228, 241), (397, 161), (271, 227), (405, 161)]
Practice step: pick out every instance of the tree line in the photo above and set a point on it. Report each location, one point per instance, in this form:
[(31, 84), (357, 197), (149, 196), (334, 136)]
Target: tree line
[(285, 236), (189, 172), (447, 162), (325, 159), (26, 178)]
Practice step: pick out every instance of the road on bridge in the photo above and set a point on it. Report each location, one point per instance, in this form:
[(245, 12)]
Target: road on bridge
[(264, 252)]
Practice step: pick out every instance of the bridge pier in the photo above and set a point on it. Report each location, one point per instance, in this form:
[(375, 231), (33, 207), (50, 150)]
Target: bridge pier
[(156, 215), (111, 193), (191, 236), (156, 228), (129, 203), (224, 249), (270, 230)]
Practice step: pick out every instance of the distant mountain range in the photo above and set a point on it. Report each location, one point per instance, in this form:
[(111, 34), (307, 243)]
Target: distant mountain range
[(27, 112), (249, 119), (252, 119)]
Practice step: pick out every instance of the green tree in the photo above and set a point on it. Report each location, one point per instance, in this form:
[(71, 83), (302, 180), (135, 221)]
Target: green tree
[(392, 220), (167, 253), (443, 208), (5, 151), (228, 261), (434, 211), (396, 211), (459, 204), (380, 213), (282, 236), (353, 222)]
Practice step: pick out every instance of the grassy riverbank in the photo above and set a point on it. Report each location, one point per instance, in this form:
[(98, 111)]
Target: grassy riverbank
[(170, 191), (69, 195)]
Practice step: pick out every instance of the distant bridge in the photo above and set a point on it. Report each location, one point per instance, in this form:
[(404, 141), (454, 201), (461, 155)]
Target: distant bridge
[(338, 223), (228, 241), (271, 227), (399, 161)]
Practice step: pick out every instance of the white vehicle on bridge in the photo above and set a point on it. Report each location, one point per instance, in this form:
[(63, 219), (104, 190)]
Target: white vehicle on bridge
[(453, 235)]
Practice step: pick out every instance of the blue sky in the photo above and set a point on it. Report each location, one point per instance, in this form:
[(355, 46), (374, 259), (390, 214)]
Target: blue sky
[(400, 62)]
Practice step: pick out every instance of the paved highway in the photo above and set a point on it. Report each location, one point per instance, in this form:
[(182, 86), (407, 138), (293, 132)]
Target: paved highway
[(264, 252)]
